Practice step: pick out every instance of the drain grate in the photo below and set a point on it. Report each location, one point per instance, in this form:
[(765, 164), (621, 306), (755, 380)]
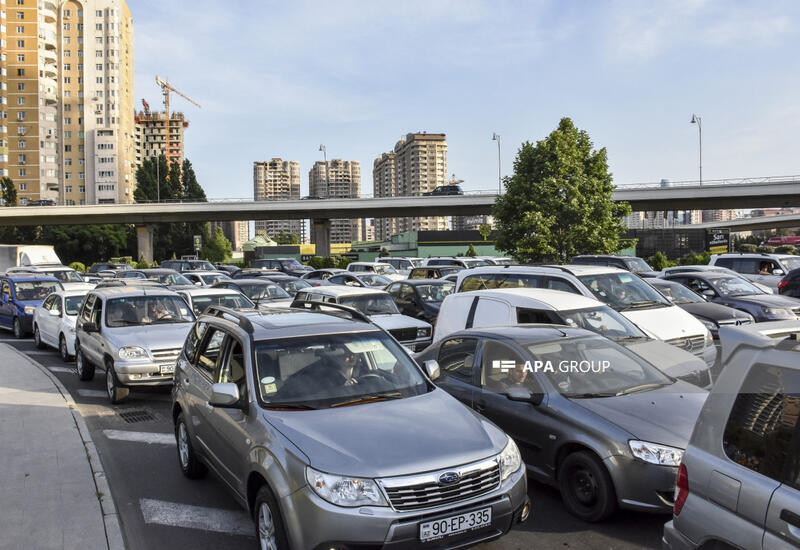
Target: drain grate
[(134, 416)]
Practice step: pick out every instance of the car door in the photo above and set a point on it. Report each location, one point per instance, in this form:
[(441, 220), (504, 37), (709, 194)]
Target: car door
[(456, 358), (407, 301), (92, 342), (227, 426), (503, 367), (6, 307), (47, 322)]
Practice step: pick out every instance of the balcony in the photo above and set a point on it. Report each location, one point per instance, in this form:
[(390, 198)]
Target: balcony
[(49, 56), (49, 10)]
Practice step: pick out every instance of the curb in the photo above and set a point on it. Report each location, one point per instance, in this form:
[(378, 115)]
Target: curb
[(114, 538)]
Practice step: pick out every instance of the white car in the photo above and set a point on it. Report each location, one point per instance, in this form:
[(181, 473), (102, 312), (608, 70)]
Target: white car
[(379, 306), (54, 321), (403, 264), (375, 267), (202, 297), (511, 306)]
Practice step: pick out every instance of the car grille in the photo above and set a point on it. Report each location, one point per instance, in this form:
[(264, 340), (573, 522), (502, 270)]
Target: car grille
[(166, 356), (694, 344), (404, 334), (425, 491), (734, 322)]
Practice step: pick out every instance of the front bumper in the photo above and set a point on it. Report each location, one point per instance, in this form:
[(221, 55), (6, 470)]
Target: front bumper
[(674, 539), (642, 486), (142, 373), (313, 523), (417, 345)]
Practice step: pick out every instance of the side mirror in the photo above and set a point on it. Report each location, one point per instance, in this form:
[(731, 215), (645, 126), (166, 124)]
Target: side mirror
[(432, 369), (198, 283), (224, 394), (777, 272), (90, 327), (55, 313), (521, 394), (710, 293)]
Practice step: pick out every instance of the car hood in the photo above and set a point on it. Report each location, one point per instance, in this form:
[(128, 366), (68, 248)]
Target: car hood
[(29, 303), (272, 304), (162, 336), (665, 323), (388, 438), (389, 322), (666, 415), (667, 358), (713, 312), (765, 300)]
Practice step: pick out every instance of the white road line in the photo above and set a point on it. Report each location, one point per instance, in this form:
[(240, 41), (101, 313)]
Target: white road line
[(140, 437), (42, 352), (10, 340), (196, 517), (62, 369), (92, 393)]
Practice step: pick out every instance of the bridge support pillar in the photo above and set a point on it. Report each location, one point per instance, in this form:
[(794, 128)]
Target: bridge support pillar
[(144, 243), (321, 236)]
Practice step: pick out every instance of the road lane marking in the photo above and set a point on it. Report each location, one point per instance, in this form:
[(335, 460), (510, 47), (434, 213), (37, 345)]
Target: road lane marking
[(196, 517), (140, 437), (42, 352), (62, 369), (92, 393)]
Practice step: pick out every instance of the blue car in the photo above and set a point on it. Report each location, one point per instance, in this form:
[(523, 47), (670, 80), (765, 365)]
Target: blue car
[(20, 294)]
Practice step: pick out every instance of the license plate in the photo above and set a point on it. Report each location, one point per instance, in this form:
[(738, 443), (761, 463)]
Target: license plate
[(445, 527), (167, 369)]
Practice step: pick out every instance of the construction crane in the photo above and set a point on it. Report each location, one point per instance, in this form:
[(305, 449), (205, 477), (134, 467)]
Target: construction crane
[(166, 88)]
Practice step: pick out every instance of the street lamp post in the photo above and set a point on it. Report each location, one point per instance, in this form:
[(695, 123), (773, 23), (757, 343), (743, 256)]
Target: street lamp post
[(496, 137), (327, 178), (158, 179), (699, 121)]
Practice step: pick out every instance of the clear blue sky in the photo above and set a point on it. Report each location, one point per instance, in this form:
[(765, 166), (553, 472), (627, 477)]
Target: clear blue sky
[(276, 79)]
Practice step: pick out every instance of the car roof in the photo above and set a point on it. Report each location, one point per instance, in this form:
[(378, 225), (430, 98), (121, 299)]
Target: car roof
[(207, 291), (588, 269), (280, 323), (418, 282), (367, 263), (123, 291), (335, 290), (554, 299), (71, 291), (705, 275), (201, 272), (754, 255), (24, 277), (249, 281), (526, 332)]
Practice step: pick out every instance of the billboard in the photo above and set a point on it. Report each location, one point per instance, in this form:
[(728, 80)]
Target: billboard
[(718, 240)]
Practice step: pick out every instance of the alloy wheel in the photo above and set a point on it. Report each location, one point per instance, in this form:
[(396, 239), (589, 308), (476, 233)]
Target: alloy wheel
[(266, 528), (183, 445)]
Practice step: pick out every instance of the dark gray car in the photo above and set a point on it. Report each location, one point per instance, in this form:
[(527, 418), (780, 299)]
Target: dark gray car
[(606, 437), (739, 293), (325, 429)]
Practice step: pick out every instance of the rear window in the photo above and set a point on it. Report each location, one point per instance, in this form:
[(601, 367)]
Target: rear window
[(506, 280), (762, 431)]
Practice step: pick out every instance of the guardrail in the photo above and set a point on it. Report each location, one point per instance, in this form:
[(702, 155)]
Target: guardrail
[(711, 183)]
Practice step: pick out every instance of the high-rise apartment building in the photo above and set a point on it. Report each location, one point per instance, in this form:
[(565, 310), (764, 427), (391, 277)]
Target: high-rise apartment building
[(718, 215), (68, 100), (276, 179), (150, 138), (417, 165), (237, 232), (338, 179)]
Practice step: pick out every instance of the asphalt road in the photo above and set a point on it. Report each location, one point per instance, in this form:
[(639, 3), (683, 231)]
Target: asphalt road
[(161, 509)]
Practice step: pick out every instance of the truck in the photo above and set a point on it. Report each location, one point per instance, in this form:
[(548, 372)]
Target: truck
[(19, 255)]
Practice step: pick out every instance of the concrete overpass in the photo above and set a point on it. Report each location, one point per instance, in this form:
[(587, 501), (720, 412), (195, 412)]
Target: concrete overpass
[(752, 224)]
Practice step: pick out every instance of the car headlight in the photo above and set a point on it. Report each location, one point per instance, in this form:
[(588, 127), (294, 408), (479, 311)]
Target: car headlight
[(29, 310), (775, 312), (709, 337), (423, 332), (656, 454), (509, 460), (710, 325), (345, 491), (132, 352)]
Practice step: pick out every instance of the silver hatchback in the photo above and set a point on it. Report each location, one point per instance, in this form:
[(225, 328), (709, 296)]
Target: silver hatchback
[(326, 430)]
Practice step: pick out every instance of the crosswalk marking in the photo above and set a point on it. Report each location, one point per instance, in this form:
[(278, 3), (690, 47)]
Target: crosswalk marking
[(92, 393), (62, 369), (140, 437), (174, 514)]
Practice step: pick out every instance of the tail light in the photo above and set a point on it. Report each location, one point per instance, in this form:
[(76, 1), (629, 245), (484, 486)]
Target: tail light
[(782, 284), (681, 490)]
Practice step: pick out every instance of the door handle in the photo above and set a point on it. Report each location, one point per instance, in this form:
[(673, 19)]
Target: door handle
[(790, 517)]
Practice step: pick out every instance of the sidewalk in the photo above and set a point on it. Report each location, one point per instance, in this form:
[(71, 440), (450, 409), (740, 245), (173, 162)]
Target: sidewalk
[(53, 492)]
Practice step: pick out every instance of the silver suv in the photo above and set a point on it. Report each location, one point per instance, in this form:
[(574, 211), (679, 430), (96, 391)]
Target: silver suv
[(765, 269), (135, 333), (739, 482), (331, 436)]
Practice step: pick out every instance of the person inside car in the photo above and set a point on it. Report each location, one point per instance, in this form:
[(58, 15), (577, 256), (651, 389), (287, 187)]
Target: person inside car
[(765, 269), (337, 368)]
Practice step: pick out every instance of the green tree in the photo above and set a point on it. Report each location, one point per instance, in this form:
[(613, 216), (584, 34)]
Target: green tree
[(658, 261), (218, 248), (485, 230), (87, 244), (558, 203), (8, 191), (765, 249), (786, 249), (286, 238), (471, 252), (746, 247), (383, 253), (151, 180)]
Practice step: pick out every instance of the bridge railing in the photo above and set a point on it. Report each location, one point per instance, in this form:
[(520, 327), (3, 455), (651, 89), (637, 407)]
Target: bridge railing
[(711, 183)]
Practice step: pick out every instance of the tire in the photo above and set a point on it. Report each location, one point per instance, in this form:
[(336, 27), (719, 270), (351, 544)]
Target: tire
[(187, 460), (116, 391), (63, 351), (84, 367), (271, 534), (586, 487), (37, 338), (19, 334)]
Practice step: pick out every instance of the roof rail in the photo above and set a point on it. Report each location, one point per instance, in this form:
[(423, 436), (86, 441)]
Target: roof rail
[(354, 313), (232, 315)]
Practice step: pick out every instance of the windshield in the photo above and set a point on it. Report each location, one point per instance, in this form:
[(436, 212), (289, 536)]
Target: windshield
[(147, 310), (623, 291), (213, 278), (434, 293), (201, 265), (417, 262), (73, 304), (475, 263), (502, 261), (291, 264), (269, 291), (637, 265), (602, 320), (677, 293), (734, 286), (791, 263), (334, 370), (65, 276), (35, 290), (371, 304), (385, 269), (173, 279), (235, 301), (373, 279), (292, 285), (617, 370), (132, 275)]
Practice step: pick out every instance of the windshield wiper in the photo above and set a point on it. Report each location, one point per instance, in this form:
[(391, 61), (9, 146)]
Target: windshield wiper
[(289, 406), (588, 395), (368, 399), (642, 387), (642, 303)]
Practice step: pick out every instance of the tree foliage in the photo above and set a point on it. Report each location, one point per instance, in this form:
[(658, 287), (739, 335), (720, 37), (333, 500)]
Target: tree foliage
[(485, 230), (8, 192), (558, 203), (285, 238), (471, 252), (217, 248)]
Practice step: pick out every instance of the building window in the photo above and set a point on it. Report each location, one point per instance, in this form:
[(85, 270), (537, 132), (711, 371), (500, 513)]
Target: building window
[(81, 175), (66, 40), (20, 101), (81, 189), (98, 53), (67, 120), (23, 172), (99, 80), (80, 80), (21, 87), (67, 162), (21, 115), (68, 188), (20, 15), (22, 144), (66, 26), (98, 27), (23, 186), (20, 43), (80, 53), (21, 57), (67, 67), (67, 148), (98, 13), (80, 26), (66, 13), (70, 202), (82, 161), (23, 159), (67, 53), (99, 120), (67, 93), (67, 80), (80, 67), (80, 147), (68, 107), (20, 72), (21, 29)]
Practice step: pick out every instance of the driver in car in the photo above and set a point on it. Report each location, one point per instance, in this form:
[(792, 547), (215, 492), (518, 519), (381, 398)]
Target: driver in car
[(337, 368)]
